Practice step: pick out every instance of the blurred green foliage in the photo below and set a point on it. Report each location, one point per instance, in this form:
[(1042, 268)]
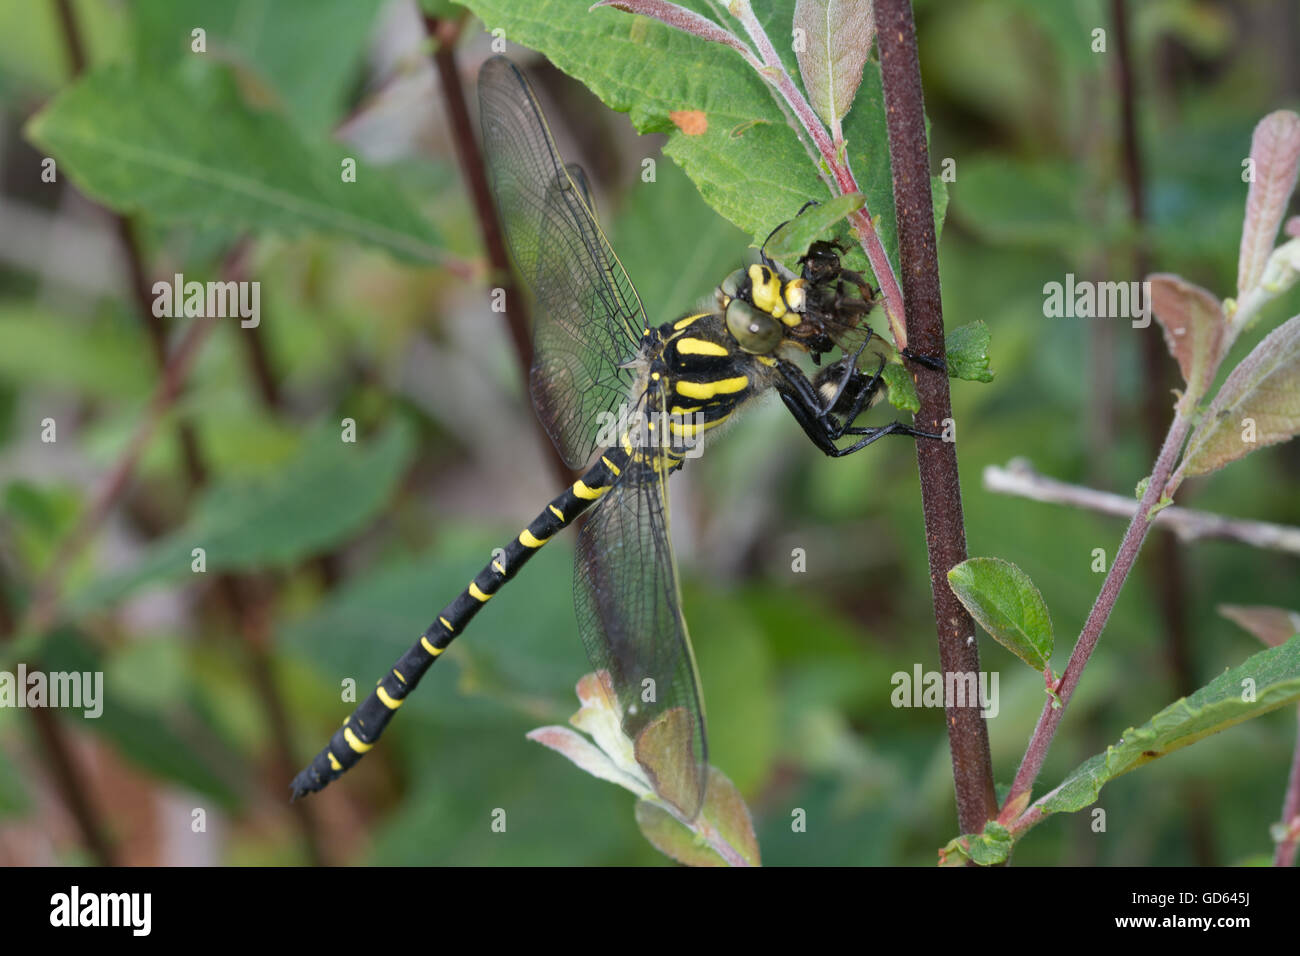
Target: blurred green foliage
[(374, 308)]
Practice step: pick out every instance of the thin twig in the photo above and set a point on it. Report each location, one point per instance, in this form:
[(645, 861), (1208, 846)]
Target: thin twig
[(1286, 847), (945, 530), (1129, 548), (1022, 481)]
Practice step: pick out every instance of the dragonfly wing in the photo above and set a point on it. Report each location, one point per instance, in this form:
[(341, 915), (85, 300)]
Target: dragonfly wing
[(630, 618), (589, 321)]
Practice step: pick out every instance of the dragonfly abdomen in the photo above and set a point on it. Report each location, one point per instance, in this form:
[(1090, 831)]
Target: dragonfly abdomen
[(363, 727)]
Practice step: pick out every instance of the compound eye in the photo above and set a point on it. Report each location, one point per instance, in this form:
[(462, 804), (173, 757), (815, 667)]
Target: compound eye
[(756, 331), (736, 285)]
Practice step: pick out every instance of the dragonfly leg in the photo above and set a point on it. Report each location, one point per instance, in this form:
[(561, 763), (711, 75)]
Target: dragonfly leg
[(805, 405)]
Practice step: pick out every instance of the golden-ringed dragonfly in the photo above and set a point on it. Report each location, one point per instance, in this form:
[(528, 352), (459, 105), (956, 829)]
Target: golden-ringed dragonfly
[(631, 403)]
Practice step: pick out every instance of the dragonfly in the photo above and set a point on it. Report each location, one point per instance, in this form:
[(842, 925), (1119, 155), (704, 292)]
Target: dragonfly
[(630, 404)]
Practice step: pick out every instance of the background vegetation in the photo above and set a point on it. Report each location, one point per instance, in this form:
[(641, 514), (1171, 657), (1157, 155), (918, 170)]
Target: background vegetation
[(325, 559)]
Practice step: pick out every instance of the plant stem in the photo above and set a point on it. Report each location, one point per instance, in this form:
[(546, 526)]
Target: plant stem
[(1286, 848), (1021, 480), (1129, 548), (945, 530)]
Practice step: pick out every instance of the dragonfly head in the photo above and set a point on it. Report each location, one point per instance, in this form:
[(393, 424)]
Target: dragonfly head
[(761, 307)]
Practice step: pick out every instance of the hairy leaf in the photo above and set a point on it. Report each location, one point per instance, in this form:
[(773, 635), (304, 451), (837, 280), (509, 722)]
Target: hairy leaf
[(1258, 404), (1194, 326), (1275, 150), (837, 39)]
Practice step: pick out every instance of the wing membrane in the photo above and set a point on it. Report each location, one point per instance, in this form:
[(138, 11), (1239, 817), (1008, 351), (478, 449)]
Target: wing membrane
[(589, 320), (630, 618)]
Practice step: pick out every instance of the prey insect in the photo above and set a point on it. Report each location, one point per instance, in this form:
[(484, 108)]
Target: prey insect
[(597, 361)]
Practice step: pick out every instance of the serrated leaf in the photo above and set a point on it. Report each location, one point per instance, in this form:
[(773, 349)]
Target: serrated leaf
[(324, 495), (1272, 625), (749, 164), (968, 352), (185, 147), (838, 36), (1264, 388), (1275, 677), (724, 813), (902, 390), (1194, 326), (1005, 603), (794, 237), (1275, 150)]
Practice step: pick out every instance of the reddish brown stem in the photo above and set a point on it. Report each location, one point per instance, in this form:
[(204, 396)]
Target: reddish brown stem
[(1129, 548), (445, 33), (945, 530)]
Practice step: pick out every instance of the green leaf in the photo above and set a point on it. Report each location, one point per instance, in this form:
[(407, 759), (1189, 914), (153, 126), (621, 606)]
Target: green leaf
[(305, 54), (902, 390), (1257, 405), (1274, 677), (1006, 604), (748, 163), (989, 848), (184, 147), (330, 491), (968, 352), (724, 813), (794, 237)]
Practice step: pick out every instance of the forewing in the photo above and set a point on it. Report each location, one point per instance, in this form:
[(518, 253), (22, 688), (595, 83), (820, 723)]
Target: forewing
[(589, 321)]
